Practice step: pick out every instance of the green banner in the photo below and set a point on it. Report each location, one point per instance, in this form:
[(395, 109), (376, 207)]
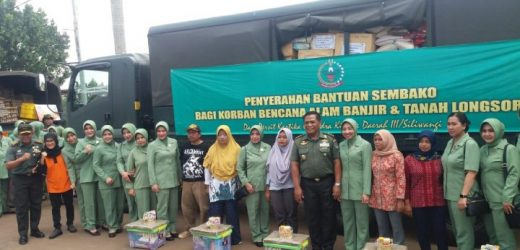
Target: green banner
[(402, 91)]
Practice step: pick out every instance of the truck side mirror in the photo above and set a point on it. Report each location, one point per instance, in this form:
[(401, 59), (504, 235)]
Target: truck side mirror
[(41, 82)]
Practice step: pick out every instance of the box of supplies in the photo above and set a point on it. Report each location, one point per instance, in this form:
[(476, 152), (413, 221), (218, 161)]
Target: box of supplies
[(147, 235), (360, 43), (216, 237), (28, 111), (315, 53), (373, 246), (297, 242)]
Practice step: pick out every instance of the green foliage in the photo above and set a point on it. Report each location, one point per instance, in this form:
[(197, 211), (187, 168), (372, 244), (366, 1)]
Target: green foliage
[(30, 42)]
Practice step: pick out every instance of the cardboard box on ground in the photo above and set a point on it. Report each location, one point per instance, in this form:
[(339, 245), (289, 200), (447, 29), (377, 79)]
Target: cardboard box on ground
[(337, 43)]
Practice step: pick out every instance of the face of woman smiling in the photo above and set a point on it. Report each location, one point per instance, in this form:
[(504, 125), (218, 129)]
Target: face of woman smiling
[(107, 136), (254, 136), (455, 127), (378, 142), (488, 133), (347, 131), (282, 139)]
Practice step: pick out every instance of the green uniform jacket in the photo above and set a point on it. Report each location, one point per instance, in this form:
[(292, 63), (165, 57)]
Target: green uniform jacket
[(256, 156), (68, 155), (17, 149), (138, 161), (356, 162), (105, 165), (122, 157), (4, 145), (491, 170), (317, 157), (164, 164), (455, 162), (84, 161)]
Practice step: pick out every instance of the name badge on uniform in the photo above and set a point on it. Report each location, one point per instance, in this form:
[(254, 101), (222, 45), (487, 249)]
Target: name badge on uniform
[(324, 144)]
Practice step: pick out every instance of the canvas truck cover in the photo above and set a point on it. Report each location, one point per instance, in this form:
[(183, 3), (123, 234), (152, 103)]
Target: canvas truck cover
[(258, 36), (402, 91)]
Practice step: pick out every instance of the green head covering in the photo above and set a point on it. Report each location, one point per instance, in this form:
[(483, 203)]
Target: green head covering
[(18, 123), (37, 126), (259, 129), (107, 127), (68, 130), (130, 126), (91, 123), (498, 128), (352, 123), (55, 130), (142, 132), (162, 124)]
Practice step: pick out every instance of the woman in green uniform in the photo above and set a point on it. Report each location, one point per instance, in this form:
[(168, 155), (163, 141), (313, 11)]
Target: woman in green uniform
[(164, 169), (460, 161), (252, 172), (4, 177), (498, 191), (70, 142), (88, 179), (137, 163), (109, 182), (356, 161), (128, 131)]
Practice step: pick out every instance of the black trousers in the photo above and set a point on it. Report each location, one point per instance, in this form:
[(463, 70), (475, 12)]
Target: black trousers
[(427, 218), (285, 208), (320, 212), (28, 192), (56, 201)]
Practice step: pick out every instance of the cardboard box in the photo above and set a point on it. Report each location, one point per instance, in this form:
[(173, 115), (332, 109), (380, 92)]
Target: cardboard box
[(274, 242), (28, 111), (205, 237), (287, 50), (311, 53), (339, 49), (360, 43), (323, 41), (147, 235)]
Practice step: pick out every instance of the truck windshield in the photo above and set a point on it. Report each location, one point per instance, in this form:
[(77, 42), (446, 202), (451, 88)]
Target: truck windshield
[(89, 85)]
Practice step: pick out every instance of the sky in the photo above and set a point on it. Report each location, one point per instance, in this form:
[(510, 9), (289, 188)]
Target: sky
[(95, 20)]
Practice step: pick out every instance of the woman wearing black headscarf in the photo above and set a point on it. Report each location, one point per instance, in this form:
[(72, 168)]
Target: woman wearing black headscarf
[(424, 191)]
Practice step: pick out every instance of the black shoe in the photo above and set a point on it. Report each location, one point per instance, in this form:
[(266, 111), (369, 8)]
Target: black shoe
[(37, 234), (111, 235), (169, 238), (104, 227), (259, 244), (119, 230), (175, 235), (71, 228), (93, 233), (57, 232), (23, 240)]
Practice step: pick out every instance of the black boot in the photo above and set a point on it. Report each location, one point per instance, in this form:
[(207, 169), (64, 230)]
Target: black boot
[(57, 232)]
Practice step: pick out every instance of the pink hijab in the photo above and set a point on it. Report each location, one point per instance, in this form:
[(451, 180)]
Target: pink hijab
[(390, 147)]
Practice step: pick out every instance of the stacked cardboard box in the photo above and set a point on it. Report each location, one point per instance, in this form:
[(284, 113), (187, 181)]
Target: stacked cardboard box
[(10, 104)]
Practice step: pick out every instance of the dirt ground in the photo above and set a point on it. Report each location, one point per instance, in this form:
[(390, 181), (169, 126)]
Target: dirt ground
[(82, 240)]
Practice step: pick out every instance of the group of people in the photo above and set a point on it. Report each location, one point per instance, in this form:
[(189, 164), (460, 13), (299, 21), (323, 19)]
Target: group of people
[(312, 169)]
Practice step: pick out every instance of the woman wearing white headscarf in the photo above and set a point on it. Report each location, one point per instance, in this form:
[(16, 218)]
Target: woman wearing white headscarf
[(279, 185)]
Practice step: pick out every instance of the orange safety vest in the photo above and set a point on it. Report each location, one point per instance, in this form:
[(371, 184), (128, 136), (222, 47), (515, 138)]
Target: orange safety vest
[(58, 180)]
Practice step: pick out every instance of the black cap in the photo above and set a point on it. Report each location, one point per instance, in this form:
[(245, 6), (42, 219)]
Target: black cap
[(193, 127), (24, 128)]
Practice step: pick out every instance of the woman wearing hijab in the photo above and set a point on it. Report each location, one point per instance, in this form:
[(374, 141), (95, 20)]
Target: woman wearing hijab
[(252, 173), (127, 130), (460, 162), (279, 186), (83, 155), (165, 172), (221, 177), (105, 165), (424, 191), (388, 187), (69, 146), (356, 178), (499, 191), (137, 163), (59, 183)]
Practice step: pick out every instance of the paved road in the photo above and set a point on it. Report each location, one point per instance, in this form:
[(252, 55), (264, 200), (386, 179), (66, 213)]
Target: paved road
[(81, 240)]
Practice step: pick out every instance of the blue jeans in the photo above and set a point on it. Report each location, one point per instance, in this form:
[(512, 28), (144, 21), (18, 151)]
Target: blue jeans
[(390, 224), (229, 209)]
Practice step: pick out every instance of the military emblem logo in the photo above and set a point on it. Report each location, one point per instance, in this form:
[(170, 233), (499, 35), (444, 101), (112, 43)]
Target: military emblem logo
[(330, 74)]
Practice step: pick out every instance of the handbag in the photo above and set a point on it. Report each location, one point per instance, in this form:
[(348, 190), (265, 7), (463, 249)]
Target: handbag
[(242, 191), (477, 205), (512, 219)]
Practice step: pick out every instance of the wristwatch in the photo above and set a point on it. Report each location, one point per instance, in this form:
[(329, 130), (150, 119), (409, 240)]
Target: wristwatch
[(337, 184), (463, 196)]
